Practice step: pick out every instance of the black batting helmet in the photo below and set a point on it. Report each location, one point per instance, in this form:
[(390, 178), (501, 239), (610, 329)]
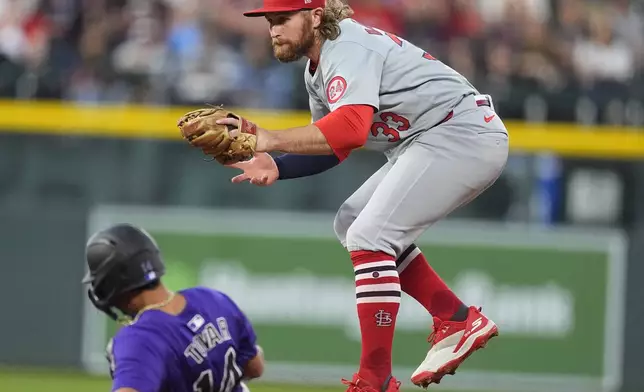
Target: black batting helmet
[(120, 259)]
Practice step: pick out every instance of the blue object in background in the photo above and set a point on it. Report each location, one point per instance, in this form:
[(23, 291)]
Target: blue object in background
[(548, 192)]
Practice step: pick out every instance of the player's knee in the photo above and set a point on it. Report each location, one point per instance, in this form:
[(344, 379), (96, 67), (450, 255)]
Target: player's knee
[(343, 220), (363, 236), (356, 240)]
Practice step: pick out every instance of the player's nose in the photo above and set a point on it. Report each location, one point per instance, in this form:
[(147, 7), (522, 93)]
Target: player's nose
[(274, 32)]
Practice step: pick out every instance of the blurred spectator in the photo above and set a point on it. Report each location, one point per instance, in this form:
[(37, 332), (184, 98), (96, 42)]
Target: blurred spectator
[(262, 82), (378, 13), (628, 25), (600, 54), (559, 52), (495, 11)]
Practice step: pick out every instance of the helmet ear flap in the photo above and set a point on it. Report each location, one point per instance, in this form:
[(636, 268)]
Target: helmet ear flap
[(108, 310), (102, 306)]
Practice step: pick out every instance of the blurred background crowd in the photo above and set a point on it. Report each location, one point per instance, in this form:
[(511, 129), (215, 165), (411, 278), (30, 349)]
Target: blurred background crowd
[(543, 60), (549, 63)]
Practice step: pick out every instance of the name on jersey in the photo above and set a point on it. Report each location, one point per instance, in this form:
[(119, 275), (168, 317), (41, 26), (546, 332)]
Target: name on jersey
[(205, 341)]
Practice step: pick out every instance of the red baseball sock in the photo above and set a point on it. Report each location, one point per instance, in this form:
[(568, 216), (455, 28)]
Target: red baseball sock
[(378, 298), (420, 281)]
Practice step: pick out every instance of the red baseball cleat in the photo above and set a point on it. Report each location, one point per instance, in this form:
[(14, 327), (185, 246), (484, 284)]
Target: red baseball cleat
[(452, 342), (360, 385)]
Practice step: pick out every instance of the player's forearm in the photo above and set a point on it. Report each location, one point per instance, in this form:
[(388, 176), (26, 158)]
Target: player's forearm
[(337, 133), (301, 165), (301, 140), (255, 367)]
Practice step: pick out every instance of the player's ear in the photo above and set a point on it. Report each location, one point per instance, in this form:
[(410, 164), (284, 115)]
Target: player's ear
[(317, 15)]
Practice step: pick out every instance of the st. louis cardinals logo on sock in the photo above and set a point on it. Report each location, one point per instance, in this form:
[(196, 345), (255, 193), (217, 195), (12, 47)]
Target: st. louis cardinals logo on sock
[(378, 298), (383, 319)]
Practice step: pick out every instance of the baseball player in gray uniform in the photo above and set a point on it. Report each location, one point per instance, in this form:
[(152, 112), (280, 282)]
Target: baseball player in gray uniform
[(444, 145)]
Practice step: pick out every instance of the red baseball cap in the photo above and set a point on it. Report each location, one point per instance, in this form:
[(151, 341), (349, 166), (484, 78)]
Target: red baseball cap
[(286, 6)]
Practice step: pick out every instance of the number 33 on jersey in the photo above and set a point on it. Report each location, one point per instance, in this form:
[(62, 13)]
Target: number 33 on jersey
[(408, 88)]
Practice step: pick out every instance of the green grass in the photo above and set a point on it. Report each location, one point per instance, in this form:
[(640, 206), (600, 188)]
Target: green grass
[(27, 380), (36, 380), (43, 380)]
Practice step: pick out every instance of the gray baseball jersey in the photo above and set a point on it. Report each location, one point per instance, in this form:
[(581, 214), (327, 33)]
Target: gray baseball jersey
[(410, 90)]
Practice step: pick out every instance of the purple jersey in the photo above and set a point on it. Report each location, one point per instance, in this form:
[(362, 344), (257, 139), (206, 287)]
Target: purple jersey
[(203, 349)]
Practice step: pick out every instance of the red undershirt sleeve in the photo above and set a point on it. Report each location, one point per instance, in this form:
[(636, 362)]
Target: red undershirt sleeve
[(346, 128)]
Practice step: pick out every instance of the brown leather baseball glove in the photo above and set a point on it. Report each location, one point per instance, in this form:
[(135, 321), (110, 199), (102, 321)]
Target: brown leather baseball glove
[(200, 129)]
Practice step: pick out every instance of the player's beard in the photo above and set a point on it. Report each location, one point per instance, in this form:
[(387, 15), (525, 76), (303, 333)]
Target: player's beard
[(292, 51)]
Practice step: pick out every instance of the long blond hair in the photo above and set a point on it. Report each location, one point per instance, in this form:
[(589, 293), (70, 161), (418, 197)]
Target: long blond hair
[(334, 12)]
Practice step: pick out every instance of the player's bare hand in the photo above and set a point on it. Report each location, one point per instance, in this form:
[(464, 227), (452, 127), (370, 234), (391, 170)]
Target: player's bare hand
[(261, 170), (228, 121), (261, 134)]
